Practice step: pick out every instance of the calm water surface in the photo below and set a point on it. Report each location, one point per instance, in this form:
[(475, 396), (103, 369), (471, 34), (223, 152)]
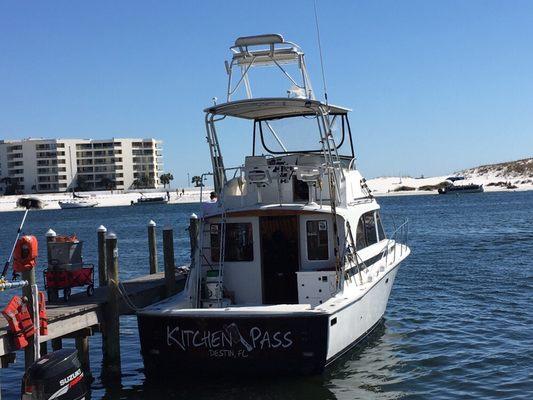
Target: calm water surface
[(459, 323)]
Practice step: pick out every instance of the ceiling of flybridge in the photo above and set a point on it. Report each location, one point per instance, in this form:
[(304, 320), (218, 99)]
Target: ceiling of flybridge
[(269, 50), (274, 49), (272, 108)]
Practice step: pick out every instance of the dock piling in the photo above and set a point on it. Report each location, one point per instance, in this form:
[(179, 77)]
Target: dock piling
[(102, 269), (82, 345), (111, 331), (170, 266), (29, 353), (152, 246), (50, 236), (194, 224)]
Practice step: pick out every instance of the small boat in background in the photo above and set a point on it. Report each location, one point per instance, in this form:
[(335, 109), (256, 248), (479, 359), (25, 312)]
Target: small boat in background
[(77, 204), (78, 201), (150, 200), (471, 188)]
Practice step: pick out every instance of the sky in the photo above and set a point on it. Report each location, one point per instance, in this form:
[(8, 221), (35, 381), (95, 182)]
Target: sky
[(435, 86)]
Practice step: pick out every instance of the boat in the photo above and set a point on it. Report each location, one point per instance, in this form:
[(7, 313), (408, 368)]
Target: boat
[(470, 188), (292, 267), (151, 200), (77, 203)]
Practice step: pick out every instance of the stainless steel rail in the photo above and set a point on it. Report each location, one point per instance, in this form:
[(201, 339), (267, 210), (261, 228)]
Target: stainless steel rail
[(398, 238)]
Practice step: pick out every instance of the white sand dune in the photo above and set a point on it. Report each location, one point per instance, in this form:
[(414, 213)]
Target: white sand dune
[(509, 176)]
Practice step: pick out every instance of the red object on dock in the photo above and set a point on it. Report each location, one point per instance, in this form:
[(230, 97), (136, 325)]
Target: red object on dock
[(43, 318), (55, 279), (61, 279), (26, 252), (18, 317)]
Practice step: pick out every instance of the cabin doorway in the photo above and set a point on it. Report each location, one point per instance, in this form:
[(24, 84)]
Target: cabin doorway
[(279, 255)]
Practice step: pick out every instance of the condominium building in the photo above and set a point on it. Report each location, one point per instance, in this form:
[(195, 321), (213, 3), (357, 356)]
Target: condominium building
[(58, 165)]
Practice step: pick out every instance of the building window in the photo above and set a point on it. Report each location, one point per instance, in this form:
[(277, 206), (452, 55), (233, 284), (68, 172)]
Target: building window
[(317, 240), (239, 244)]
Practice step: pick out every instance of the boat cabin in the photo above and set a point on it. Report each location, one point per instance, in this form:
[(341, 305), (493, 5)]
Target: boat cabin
[(280, 230)]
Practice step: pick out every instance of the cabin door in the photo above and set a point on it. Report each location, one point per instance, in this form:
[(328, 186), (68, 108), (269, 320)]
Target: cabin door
[(279, 255)]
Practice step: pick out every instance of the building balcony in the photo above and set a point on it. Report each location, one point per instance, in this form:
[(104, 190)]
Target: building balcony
[(49, 172), (48, 154), (14, 149)]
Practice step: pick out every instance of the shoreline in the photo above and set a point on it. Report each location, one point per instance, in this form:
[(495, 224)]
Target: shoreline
[(434, 192), (105, 198), (191, 196)]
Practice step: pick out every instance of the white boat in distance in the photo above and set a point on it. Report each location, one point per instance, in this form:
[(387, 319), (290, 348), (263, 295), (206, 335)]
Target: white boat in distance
[(77, 203), (291, 267)]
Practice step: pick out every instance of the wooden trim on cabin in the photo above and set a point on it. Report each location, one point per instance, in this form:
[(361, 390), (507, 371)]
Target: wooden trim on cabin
[(265, 213)]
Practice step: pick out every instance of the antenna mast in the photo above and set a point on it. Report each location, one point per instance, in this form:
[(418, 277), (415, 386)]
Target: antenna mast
[(320, 51)]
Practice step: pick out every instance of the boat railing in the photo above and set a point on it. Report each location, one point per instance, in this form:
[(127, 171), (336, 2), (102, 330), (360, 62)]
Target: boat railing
[(309, 173), (351, 166), (398, 239)]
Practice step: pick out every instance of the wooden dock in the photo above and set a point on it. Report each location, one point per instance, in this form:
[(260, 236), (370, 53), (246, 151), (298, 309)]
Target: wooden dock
[(83, 312), (82, 315)]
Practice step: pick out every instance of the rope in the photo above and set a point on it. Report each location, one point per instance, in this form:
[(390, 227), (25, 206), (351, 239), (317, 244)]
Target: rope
[(124, 294)]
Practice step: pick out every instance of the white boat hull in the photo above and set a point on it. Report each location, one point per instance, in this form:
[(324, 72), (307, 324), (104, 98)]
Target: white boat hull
[(354, 321), (69, 205), (280, 339)]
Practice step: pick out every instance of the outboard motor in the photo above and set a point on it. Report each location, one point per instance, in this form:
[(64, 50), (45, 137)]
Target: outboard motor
[(57, 375)]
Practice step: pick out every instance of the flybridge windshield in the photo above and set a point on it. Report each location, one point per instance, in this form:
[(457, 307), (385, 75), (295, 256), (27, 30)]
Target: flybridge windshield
[(299, 135)]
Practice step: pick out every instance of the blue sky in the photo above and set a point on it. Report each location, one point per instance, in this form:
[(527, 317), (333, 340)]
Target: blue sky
[(435, 86)]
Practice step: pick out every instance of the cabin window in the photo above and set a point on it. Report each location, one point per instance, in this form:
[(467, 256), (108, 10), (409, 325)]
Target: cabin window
[(360, 235), (371, 234), (367, 233), (301, 190), (381, 231), (239, 244), (317, 240)]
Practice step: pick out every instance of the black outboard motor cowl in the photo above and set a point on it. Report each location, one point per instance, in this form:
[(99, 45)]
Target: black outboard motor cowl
[(57, 375)]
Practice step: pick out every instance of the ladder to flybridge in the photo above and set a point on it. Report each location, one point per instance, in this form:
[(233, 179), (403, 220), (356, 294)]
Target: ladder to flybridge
[(205, 231), (219, 176), (335, 173)]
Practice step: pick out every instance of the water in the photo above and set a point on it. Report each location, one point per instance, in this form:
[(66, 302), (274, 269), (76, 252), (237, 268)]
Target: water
[(459, 323)]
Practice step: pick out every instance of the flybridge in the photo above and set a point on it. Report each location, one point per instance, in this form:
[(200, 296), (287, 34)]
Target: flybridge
[(267, 50)]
